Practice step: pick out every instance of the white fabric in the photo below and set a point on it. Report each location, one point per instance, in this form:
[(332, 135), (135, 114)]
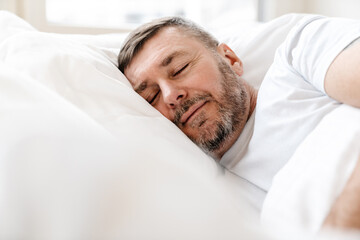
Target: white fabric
[(84, 157), (304, 190), (11, 25), (255, 43), (291, 100), (64, 176)]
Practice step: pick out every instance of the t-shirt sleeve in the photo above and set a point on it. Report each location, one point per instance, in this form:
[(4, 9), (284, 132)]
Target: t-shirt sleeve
[(315, 42)]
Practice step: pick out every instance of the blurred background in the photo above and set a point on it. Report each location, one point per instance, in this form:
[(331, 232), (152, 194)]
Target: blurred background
[(105, 16)]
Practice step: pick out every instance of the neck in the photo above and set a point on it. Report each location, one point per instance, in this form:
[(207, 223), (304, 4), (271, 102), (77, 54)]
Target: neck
[(253, 99)]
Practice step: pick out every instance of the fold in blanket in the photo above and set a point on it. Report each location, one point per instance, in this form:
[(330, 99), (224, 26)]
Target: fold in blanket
[(303, 192)]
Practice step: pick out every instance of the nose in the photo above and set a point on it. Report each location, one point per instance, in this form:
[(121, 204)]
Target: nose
[(173, 94)]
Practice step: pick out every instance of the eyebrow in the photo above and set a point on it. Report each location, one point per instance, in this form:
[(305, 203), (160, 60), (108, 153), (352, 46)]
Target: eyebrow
[(139, 89), (170, 57)]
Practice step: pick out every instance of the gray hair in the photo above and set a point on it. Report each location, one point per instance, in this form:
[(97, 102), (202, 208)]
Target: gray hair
[(137, 38)]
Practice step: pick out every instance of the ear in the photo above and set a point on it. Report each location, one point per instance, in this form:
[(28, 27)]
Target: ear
[(231, 58)]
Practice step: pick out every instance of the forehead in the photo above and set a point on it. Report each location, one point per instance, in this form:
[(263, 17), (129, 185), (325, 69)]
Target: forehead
[(168, 41)]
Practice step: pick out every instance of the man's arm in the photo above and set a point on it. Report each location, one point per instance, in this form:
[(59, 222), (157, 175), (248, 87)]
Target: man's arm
[(342, 80), (345, 212)]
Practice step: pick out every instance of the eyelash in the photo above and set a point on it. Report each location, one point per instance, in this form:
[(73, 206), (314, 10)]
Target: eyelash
[(155, 96), (182, 69)]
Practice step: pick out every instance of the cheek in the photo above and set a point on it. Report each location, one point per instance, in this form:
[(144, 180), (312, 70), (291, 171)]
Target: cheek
[(165, 111), (205, 81)]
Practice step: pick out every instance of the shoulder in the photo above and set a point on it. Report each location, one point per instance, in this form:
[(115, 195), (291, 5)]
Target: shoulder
[(300, 33)]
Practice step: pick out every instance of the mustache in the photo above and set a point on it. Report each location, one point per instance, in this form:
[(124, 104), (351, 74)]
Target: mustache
[(186, 105)]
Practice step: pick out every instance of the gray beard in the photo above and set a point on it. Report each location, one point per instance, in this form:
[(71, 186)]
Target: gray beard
[(231, 108)]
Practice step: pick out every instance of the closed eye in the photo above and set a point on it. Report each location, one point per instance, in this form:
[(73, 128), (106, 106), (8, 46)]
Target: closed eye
[(154, 98), (182, 69)]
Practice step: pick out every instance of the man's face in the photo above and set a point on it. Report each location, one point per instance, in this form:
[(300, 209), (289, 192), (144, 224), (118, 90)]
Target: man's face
[(193, 87)]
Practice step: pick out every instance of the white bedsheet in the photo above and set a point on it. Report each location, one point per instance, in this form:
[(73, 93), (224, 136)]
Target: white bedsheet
[(304, 190)]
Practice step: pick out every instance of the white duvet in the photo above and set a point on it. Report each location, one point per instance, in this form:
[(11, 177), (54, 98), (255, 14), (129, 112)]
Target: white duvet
[(306, 187), (84, 157)]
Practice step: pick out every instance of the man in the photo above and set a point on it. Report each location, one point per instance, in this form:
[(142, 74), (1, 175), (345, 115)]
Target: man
[(212, 106), (196, 83)]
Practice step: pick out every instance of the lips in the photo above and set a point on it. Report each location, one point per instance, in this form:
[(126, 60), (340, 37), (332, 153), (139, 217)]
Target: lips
[(191, 112)]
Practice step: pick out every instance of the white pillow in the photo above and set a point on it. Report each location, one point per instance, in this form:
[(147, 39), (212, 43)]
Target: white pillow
[(64, 176), (11, 24), (256, 43)]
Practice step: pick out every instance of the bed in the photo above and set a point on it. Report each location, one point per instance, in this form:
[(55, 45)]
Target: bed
[(84, 157)]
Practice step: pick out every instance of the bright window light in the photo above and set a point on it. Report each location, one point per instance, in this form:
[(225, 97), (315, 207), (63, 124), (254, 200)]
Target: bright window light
[(128, 14)]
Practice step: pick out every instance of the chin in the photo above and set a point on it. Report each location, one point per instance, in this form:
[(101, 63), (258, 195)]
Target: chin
[(212, 139)]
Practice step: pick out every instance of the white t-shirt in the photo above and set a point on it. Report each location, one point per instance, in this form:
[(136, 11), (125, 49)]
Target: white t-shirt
[(291, 101)]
